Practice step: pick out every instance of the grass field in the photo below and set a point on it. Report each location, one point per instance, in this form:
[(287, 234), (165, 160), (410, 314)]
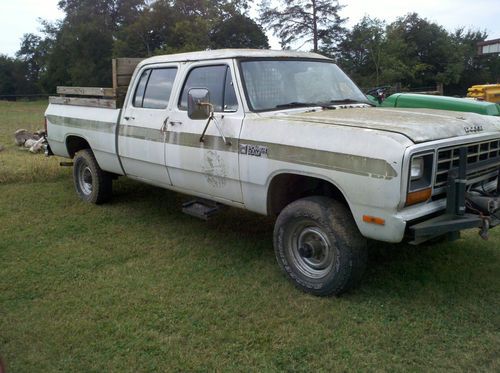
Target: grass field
[(137, 286)]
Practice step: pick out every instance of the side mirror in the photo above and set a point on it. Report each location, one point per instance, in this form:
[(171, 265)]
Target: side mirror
[(199, 106)]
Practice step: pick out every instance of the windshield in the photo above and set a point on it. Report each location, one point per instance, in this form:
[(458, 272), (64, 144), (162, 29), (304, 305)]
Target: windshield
[(277, 84)]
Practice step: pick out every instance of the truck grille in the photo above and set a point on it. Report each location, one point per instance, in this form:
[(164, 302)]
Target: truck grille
[(448, 158)]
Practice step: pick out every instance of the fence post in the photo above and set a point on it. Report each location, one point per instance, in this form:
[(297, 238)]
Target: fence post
[(440, 88)]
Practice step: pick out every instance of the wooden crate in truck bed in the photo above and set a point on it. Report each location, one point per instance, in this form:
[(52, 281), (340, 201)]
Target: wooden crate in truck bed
[(111, 98)]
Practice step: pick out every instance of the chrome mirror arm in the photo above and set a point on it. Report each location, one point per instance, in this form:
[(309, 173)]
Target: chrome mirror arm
[(216, 122), (227, 142)]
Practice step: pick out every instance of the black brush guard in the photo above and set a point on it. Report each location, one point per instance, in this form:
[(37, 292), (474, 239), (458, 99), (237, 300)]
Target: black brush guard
[(457, 216)]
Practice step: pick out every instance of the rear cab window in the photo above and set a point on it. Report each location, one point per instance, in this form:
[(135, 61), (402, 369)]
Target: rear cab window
[(154, 88)]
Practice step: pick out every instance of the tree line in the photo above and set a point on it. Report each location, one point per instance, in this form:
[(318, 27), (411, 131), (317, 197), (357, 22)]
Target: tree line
[(77, 50)]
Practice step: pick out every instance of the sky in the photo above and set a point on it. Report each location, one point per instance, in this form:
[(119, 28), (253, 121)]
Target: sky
[(18, 17)]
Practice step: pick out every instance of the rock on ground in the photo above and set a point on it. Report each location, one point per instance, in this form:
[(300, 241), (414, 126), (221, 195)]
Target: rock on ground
[(37, 146), (22, 135), (29, 143)]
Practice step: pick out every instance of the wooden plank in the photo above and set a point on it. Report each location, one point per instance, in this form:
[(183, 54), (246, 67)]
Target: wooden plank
[(121, 91), (126, 66), (89, 102), (86, 91), (123, 80)]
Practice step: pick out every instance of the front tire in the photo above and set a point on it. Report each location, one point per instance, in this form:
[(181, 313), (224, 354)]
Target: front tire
[(91, 183), (319, 246)]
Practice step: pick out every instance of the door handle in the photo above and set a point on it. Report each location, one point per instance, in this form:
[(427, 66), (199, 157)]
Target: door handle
[(175, 122), (164, 126), (128, 118)]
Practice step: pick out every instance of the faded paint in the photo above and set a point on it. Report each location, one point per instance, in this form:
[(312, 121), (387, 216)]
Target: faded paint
[(350, 163), (93, 125), (365, 152), (419, 125), (365, 166), (215, 169), (226, 54), (141, 133)]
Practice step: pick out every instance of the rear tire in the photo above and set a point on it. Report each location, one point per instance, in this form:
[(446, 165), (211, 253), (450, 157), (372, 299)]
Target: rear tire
[(319, 246), (91, 183)]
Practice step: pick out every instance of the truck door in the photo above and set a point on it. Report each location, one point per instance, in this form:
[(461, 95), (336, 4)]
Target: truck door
[(208, 167), (141, 134)]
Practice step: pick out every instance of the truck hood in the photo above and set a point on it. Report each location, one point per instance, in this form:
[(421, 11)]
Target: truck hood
[(419, 125)]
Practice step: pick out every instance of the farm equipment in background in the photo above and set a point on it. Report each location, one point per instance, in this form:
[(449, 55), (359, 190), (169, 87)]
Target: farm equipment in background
[(485, 92), (415, 100)]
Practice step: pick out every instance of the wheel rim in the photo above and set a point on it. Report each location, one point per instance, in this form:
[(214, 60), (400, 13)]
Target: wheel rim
[(85, 179), (312, 253)]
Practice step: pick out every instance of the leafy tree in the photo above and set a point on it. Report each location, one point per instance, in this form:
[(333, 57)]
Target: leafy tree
[(239, 31), (197, 22), (78, 50), (187, 25), (362, 51), (34, 53), (148, 32), (315, 21), (7, 80), (415, 52), (13, 81), (477, 69), (429, 52), (81, 55)]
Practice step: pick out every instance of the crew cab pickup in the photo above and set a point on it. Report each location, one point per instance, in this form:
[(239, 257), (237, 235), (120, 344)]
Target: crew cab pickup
[(287, 134)]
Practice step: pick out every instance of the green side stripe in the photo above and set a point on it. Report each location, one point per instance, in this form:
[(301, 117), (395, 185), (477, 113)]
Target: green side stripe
[(142, 133), (93, 125), (192, 140), (353, 164)]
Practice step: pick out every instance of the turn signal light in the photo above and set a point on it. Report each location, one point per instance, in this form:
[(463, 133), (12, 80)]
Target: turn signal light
[(373, 220), (420, 196)]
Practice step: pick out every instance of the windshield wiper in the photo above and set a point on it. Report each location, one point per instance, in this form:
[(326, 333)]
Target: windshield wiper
[(346, 101), (296, 104), (324, 105)]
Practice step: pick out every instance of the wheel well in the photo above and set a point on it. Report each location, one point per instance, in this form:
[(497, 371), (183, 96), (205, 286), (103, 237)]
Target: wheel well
[(74, 144), (286, 188)]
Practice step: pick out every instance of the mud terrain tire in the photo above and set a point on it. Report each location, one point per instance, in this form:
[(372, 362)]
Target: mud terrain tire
[(91, 183), (319, 246)]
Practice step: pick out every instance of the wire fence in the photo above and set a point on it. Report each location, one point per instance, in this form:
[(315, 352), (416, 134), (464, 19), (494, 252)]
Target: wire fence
[(25, 97)]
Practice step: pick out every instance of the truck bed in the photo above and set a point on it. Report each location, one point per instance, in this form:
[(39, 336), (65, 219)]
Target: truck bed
[(66, 121)]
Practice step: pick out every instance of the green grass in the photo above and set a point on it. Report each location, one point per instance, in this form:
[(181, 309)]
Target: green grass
[(17, 164), (135, 285)]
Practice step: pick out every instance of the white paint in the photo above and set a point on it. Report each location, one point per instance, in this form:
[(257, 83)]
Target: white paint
[(243, 180)]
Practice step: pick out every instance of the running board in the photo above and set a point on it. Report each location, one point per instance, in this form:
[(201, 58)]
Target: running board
[(201, 208)]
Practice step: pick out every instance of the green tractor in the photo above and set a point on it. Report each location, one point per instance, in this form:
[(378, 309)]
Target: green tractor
[(415, 100)]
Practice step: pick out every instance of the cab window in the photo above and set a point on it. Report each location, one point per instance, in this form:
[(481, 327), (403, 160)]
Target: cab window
[(154, 88), (141, 87), (217, 79)]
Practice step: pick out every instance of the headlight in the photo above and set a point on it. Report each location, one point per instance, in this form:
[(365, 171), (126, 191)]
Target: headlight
[(420, 178), (417, 168)]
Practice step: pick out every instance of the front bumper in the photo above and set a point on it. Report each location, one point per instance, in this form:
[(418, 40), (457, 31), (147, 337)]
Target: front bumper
[(451, 225), (459, 213)]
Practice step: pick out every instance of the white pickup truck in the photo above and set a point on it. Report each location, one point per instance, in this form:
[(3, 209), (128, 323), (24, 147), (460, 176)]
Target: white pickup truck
[(288, 134)]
